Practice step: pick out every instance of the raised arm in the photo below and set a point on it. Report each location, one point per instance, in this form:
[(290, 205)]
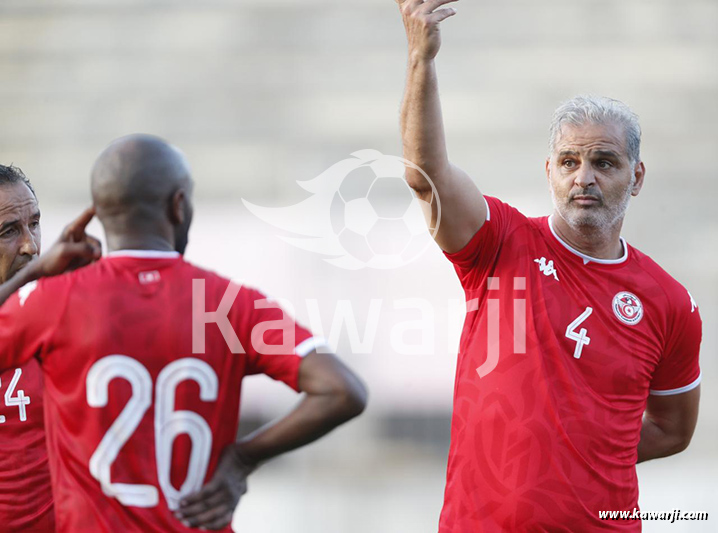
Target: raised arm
[(334, 395), (463, 210)]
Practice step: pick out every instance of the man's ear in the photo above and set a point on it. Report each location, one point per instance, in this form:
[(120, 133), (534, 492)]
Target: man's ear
[(548, 169), (177, 207), (639, 172)]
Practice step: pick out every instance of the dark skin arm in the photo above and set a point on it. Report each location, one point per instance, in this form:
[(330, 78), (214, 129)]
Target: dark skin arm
[(74, 249), (668, 424), (333, 395)]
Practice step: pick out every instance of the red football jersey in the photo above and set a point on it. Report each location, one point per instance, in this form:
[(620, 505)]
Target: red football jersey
[(141, 397), (558, 355), (25, 492)]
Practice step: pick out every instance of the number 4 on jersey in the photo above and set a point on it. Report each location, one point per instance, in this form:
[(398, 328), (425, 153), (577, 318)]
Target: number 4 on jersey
[(580, 337), (20, 400)]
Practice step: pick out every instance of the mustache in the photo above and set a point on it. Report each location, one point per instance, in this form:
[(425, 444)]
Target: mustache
[(587, 194)]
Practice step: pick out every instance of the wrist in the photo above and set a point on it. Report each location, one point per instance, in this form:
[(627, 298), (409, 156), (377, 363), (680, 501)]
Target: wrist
[(32, 272), (242, 459), (419, 59)]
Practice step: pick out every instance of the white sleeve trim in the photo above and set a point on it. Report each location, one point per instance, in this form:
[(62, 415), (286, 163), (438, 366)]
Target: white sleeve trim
[(307, 345), (679, 390), (488, 211)]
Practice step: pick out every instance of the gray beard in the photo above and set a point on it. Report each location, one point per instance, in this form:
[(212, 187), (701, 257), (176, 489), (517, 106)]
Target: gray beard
[(601, 219)]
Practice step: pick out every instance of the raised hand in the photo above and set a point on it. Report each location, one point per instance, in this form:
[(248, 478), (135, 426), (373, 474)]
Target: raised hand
[(421, 20), (74, 249)]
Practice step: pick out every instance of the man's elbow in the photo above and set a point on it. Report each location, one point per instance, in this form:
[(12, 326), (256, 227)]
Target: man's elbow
[(682, 443), (338, 392), (677, 444), (417, 181), (351, 399), (422, 179)]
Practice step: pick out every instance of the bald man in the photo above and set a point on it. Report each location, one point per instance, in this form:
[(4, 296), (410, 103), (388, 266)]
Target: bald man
[(143, 356)]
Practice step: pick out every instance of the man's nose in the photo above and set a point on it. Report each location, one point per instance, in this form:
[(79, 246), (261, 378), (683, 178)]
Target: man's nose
[(585, 176), (29, 245)]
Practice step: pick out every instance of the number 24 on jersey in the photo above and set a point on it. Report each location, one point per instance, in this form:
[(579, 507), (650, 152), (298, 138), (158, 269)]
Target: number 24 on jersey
[(18, 400)]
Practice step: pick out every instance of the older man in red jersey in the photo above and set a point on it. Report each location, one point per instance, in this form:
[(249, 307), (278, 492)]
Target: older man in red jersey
[(26, 502), (579, 354)]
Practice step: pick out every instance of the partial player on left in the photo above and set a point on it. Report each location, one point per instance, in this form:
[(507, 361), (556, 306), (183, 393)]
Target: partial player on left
[(25, 492)]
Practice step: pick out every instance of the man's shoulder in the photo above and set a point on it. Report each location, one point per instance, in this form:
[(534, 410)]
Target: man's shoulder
[(196, 271), (674, 291), (219, 283), (512, 216), (649, 265), (50, 287)]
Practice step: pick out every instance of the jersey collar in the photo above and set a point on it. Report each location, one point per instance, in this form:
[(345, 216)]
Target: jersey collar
[(587, 258), (145, 254)]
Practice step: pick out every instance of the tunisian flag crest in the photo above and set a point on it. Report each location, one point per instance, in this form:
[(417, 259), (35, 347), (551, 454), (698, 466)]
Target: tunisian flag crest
[(627, 308)]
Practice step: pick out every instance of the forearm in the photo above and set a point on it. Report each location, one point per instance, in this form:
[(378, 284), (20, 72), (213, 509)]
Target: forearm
[(422, 125), (315, 416), (26, 275), (333, 396), (656, 442), (668, 424)]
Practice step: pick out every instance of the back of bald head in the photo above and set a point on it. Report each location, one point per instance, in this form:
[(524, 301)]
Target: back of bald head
[(137, 175)]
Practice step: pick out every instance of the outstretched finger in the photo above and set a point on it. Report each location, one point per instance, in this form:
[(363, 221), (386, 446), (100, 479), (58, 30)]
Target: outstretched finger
[(442, 14), (409, 4), (197, 509), (202, 494), (221, 522), (75, 230), (430, 5), (209, 515)]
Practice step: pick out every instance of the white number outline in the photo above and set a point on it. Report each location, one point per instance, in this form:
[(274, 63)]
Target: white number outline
[(19, 401), (168, 425), (581, 338), (98, 381)]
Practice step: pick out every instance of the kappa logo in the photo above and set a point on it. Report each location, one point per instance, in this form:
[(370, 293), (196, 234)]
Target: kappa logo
[(694, 305), (627, 308), (547, 267), (25, 291)]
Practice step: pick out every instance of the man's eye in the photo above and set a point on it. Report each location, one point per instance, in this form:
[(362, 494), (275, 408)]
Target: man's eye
[(568, 163), (8, 233), (604, 164), (35, 224)]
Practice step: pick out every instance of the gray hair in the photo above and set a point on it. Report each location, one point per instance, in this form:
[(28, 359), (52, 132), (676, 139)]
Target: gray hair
[(598, 110)]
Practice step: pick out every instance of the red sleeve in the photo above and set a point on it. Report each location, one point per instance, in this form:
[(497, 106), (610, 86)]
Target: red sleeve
[(276, 344), (474, 260), (27, 319), (678, 370)]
